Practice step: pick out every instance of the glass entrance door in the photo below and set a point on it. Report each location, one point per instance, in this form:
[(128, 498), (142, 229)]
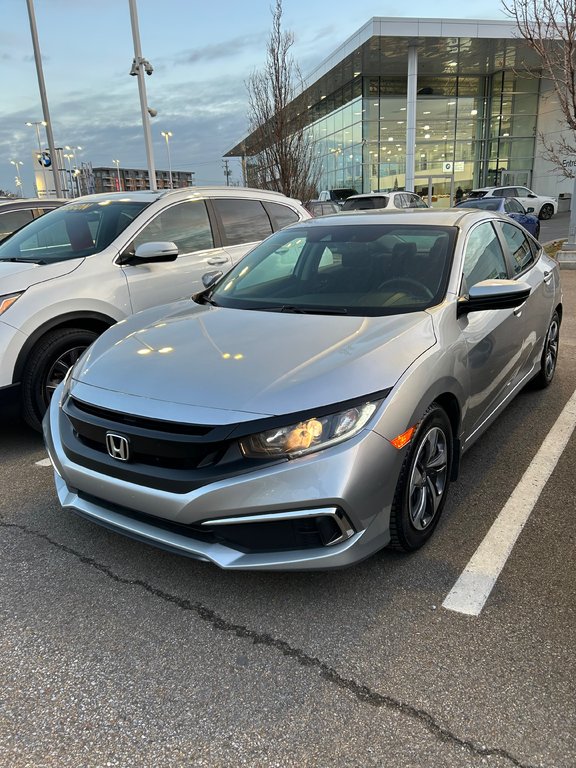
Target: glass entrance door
[(437, 191)]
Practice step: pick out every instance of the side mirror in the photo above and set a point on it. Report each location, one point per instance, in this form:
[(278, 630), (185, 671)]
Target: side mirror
[(531, 195), (210, 278), (493, 294), (148, 253)]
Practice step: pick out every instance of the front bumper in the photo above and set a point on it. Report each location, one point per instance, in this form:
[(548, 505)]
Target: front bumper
[(340, 496)]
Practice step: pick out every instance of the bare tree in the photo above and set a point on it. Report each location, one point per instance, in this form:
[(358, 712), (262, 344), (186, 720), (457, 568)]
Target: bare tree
[(549, 29), (282, 143)]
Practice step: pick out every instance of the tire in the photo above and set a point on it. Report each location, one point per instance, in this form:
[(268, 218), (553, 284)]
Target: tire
[(549, 357), (537, 232), (423, 482), (45, 368), (546, 212)]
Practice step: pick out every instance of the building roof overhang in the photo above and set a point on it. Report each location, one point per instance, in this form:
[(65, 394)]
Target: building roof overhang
[(444, 46)]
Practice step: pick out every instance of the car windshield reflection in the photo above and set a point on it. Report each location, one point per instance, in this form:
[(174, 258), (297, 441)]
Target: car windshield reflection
[(363, 270)]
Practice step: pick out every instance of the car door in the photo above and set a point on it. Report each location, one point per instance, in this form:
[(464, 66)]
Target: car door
[(493, 338), (242, 223), (524, 256), (186, 224)]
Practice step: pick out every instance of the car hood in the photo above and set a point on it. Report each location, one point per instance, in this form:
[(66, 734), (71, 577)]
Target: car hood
[(252, 363), (18, 275)]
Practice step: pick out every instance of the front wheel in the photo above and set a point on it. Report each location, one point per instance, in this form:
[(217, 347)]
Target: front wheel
[(423, 482), (547, 211), (47, 366)]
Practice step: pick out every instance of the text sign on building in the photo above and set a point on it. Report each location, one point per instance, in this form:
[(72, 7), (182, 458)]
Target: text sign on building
[(569, 163)]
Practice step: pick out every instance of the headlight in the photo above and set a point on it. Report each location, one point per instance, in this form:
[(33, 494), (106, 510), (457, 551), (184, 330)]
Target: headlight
[(309, 435), (7, 301)]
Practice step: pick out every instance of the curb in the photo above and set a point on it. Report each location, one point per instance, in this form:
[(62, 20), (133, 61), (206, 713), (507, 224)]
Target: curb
[(566, 259)]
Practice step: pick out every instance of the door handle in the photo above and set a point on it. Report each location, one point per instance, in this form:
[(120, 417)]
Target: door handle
[(518, 311), (218, 260), (547, 277)]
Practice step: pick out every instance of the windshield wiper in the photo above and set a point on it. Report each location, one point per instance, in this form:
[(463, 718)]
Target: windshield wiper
[(313, 310), (296, 310), (25, 261)]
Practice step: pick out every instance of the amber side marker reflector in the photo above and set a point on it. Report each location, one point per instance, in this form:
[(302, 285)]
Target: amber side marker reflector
[(401, 440), (7, 303)]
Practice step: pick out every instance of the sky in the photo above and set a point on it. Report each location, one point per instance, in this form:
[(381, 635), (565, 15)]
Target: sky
[(202, 54)]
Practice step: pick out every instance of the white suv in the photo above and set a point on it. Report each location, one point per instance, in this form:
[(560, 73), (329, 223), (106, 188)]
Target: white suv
[(539, 205), (77, 270)]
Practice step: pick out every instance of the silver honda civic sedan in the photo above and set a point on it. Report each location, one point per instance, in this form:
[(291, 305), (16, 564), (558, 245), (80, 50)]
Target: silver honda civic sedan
[(312, 405)]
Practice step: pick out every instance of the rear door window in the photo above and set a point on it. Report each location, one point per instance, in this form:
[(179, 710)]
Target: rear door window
[(281, 215), (243, 221), (520, 247)]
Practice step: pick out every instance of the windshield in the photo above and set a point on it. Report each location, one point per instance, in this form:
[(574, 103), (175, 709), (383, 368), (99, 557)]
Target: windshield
[(342, 194), (356, 269), (73, 231), (365, 203)]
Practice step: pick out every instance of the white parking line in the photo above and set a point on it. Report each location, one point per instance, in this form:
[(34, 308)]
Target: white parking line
[(43, 463), (473, 587)]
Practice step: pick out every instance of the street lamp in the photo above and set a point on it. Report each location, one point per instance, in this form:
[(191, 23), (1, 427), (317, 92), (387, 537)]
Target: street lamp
[(117, 164), (77, 171), (18, 177), (167, 135), (37, 124), (69, 157)]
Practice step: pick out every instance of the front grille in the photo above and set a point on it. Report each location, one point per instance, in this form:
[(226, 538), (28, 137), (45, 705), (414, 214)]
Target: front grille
[(162, 454)]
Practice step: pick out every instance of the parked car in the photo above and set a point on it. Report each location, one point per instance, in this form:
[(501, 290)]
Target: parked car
[(321, 207), (16, 212), (337, 195), (311, 406), (74, 272), (509, 206), (374, 200), (541, 206)]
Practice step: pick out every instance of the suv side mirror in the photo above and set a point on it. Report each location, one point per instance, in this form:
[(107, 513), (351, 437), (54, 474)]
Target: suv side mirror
[(147, 253)]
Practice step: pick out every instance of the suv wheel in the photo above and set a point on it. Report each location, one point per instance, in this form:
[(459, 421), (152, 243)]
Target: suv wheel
[(47, 366), (547, 211)]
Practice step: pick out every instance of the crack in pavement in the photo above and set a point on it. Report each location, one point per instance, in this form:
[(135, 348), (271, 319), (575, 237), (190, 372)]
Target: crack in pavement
[(361, 692)]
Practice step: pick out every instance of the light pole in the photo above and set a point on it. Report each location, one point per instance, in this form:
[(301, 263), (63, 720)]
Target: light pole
[(117, 164), (37, 124), (18, 177), (168, 135), (70, 186), (141, 65), (76, 172)]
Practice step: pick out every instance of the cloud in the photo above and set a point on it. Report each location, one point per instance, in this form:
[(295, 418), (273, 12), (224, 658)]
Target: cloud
[(226, 49)]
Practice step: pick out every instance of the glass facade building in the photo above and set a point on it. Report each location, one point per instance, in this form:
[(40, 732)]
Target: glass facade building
[(471, 119)]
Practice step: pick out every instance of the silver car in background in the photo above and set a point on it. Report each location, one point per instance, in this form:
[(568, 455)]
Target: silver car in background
[(312, 405)]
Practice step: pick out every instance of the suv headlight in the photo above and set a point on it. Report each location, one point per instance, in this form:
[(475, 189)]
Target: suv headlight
[(7, 300), (313, 434)]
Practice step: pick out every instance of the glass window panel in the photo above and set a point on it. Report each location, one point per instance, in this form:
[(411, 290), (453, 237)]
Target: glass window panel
[(483, 256), (185, 224), (244, 221), (519, 245)]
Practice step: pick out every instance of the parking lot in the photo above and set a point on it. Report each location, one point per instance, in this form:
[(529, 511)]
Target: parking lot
[(117, 654)]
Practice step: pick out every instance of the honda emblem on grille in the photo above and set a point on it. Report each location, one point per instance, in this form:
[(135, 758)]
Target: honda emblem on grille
[(117, 446)]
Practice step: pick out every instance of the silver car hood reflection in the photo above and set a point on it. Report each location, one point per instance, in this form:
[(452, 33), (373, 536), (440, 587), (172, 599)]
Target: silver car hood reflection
[(264, 363)]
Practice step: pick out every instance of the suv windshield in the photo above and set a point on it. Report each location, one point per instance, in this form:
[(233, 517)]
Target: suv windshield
[(372, 269), (342, 194), (74, 231)]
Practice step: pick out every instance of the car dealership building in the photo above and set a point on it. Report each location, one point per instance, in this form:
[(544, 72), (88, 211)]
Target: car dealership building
[(430, 105)]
